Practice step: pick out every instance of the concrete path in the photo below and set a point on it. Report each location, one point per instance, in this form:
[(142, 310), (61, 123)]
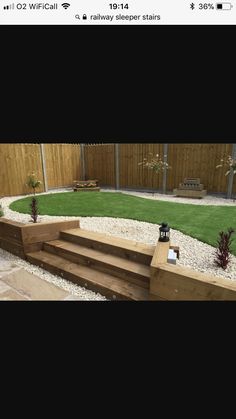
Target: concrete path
[(18, 284)]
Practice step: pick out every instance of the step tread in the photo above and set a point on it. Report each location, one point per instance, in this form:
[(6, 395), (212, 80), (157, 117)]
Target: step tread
[(99, 256), (107, 281), (111, 240)]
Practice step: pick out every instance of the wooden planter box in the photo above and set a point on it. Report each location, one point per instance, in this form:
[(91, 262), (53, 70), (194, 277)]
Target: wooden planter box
[(86, 189), (19, 238), (86, 185), (188, 193), (191, 188)]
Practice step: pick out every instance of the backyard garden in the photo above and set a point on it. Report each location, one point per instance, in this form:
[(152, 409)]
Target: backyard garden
[(203, 229), (202, 222)]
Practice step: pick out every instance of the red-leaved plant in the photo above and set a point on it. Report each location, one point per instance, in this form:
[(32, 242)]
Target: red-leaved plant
[(34, 210), (223, 251)]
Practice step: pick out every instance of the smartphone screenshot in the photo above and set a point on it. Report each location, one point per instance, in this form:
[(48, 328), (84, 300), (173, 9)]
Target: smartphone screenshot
[(118, 153)]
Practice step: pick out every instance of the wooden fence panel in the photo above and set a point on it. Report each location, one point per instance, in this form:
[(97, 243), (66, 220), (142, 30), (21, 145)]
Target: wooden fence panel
[(134, 176), (16, 162), (62, 164), (198, 160), (186, 160), (100, 163)]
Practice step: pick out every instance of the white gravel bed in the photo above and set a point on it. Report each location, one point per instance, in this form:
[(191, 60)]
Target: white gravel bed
[(207, 200), (193, 253), (25, 218)]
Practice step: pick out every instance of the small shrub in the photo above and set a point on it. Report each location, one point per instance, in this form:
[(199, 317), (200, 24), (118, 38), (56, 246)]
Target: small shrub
[(33, 182), (154, 163), (229, 163), (223, 250), (1, 211), (34, 210)]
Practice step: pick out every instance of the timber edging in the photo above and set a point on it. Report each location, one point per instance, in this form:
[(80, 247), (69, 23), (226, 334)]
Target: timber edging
[(175, 282), (20, 239), (166, 282)]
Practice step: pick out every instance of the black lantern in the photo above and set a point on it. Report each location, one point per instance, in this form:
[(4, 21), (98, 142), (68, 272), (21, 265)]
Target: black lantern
[(164, 233)]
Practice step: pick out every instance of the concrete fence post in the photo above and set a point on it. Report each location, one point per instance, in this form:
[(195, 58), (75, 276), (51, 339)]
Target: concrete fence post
[(231, 175), (117, 166), (45, 180), (165, 159), (83, 171)]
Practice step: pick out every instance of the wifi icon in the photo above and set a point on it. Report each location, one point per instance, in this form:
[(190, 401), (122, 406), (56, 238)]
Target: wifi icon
[(65, 5)]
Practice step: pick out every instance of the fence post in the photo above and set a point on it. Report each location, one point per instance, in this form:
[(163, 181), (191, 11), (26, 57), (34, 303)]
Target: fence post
[(231, 175), (82, 161), (117, 166), (45, 180), (165, 159)]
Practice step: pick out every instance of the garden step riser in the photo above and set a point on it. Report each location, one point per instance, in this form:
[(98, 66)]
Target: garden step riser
[(82, 282), (111, 292), (111, 249), (99, 265)]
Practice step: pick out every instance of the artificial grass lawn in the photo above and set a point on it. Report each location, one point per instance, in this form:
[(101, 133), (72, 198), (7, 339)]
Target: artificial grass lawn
[(202, 222)]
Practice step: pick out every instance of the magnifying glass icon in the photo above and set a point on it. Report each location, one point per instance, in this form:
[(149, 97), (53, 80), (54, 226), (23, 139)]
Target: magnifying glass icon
[(77, 17)]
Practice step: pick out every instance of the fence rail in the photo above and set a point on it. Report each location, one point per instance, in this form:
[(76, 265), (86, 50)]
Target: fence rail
[(114, 165)]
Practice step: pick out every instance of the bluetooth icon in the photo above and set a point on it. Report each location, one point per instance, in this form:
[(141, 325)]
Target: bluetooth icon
[(192, 6)]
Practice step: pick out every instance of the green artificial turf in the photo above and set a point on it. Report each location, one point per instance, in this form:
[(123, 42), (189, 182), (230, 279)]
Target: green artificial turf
[(202, 222)]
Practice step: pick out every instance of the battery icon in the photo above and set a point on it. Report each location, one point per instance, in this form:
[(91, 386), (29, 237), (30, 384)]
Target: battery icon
[(224, 6)]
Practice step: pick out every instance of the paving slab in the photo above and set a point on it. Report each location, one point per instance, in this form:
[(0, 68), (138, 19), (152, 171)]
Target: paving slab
[(18, 284), (4, 287), (32, 287), (7, 267), (12, 295), (73, 298)]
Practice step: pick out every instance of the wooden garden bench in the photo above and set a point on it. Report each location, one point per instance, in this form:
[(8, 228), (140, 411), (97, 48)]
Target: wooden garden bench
[(191, 188), (86, 185)]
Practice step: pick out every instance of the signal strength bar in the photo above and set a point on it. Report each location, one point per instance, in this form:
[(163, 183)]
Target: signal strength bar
[(10, 6)]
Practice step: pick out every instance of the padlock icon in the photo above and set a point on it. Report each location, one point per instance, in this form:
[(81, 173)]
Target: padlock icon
[(84, 16)]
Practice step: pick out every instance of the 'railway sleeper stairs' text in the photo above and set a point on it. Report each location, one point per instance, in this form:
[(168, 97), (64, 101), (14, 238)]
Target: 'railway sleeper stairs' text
[(124, 17)]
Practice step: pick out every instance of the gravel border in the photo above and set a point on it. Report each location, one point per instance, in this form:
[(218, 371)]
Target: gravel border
[(193, 253), (207, 200)]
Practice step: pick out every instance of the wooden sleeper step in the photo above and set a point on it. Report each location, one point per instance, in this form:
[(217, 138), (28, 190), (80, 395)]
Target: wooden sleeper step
[(108, 285), (127, 270), (138, 252)]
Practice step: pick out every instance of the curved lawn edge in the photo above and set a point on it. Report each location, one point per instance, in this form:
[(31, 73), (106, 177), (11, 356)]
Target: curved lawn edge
[(197, 221)]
